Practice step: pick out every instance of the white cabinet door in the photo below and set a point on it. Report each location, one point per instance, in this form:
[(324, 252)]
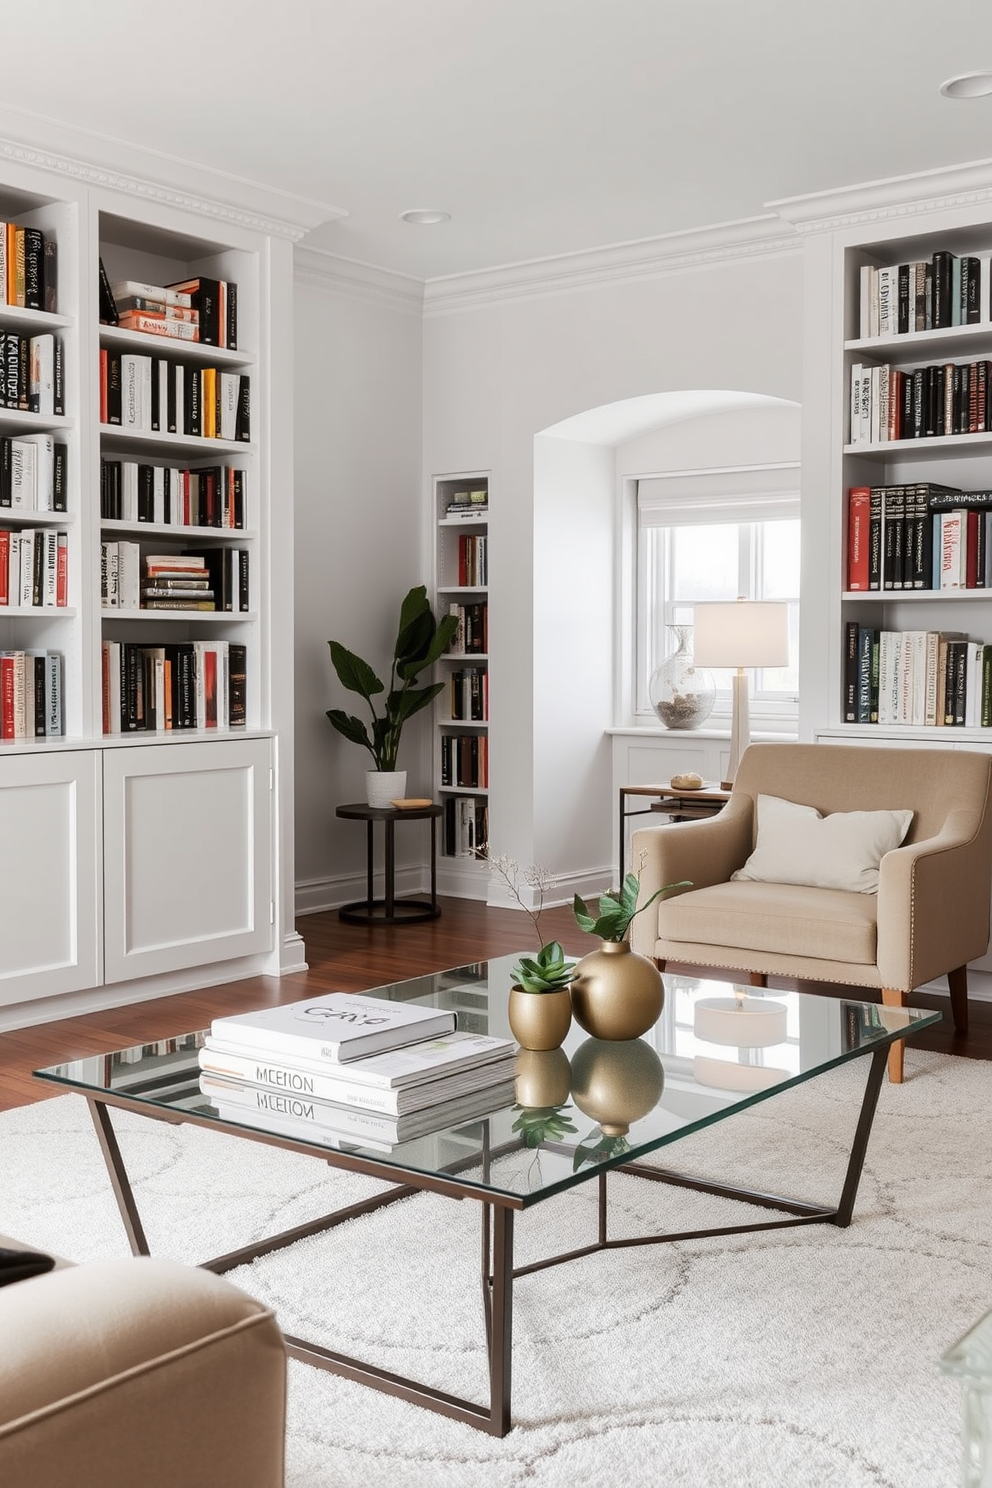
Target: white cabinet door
[(50, 874), (187, 855)]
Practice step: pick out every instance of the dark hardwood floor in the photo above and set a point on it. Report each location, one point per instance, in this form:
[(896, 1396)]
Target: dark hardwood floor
[(352, 958)]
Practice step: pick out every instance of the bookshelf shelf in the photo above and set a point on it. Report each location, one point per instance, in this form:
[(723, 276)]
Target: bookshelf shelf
[(461, 744), (103, 819)]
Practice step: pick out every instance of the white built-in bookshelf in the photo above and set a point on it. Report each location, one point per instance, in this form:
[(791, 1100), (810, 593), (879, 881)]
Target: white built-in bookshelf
[(141, 849), (461, 716)]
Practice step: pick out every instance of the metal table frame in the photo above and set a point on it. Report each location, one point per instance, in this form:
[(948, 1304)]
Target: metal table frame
[(498, 1271), (389, 910)]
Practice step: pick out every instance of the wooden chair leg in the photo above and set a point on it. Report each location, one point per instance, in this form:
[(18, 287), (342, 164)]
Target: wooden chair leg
[(660, 962), (758, 979), (891, 998), (957, 981)]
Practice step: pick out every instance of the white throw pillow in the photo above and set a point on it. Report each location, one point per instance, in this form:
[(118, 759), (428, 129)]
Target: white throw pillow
[(796, 845)]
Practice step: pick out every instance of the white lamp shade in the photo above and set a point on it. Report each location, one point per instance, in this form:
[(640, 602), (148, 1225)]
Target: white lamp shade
[(741, 633), (747, 1022)]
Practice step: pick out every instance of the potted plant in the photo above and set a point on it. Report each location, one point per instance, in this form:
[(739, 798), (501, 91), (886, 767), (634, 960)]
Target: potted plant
[(540, 1009), (617, 993), (420, 640)]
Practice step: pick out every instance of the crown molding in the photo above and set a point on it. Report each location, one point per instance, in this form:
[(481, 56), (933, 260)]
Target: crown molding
[(101, 161), (893, 199), (320, 269), (645, 258)]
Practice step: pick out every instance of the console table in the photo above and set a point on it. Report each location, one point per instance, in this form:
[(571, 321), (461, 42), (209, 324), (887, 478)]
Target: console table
[(678, 805), (390, 910)]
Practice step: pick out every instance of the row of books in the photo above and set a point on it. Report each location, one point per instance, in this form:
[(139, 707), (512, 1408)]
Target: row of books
[(473, 560), (202, 496), (151, 394), (472, 636), (31, 695), (923, 678), (186, 685), (214, 580), (32, 372), (465, 826), (33, 473), (918, 536), (28, 268), (889, 403), (465, 760), (469, 694), (198, 309), (34, 567), (947, 289), (353, 1070)]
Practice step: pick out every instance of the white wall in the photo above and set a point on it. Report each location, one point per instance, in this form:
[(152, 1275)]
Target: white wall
[(498, 373), (359, 548)]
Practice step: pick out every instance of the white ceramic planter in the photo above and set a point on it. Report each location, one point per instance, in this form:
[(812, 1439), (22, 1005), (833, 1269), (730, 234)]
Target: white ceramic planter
[(383, 787)]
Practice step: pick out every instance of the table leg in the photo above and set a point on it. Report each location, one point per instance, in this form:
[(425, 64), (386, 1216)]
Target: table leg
[(501, 1338), (369, 867), (390, 867), (434, 862)]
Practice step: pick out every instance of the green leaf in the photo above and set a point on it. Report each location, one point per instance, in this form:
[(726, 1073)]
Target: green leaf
[(353, 673), (352, 728)]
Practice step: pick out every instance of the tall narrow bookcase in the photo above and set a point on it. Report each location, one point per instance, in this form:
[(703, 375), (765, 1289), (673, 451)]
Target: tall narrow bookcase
[(865, 456), (461, 733), (142, 856)]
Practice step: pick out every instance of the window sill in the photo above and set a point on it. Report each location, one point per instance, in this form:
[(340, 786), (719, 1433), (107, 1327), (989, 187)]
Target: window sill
[(779, 732)]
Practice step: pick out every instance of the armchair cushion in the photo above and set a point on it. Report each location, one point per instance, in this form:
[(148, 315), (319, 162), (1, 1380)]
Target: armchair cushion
[(796, 844), (781, 919)]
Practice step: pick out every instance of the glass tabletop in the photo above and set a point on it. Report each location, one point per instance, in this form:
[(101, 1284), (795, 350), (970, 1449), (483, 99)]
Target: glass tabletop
[(715, 1050)]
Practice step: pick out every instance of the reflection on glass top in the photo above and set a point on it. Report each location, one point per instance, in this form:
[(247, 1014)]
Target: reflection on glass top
[(716, 1049)]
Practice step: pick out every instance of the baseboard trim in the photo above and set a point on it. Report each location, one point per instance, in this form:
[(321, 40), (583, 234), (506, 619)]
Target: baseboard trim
[(315, 895)]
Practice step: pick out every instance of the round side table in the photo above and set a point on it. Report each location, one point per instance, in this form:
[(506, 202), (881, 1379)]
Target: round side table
[(390, 910)]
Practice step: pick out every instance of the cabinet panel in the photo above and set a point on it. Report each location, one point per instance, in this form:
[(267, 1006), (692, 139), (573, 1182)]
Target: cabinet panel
[(188, 853), (49, 874)]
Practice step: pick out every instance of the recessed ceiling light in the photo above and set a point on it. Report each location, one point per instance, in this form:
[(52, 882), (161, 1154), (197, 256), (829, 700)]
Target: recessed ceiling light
[(425, 216), (968, 85)]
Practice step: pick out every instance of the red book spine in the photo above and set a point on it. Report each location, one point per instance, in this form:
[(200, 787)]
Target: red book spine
[(858, 511), (7, 664), (4, 567), (462, 560), (62, 571), (210, 686)]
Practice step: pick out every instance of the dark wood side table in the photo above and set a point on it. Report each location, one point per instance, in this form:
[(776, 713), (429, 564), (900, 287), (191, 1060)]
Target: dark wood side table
[(390, 910), (679, 805)]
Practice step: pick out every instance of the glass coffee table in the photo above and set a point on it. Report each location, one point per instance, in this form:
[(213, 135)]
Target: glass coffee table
[(589, 1109)]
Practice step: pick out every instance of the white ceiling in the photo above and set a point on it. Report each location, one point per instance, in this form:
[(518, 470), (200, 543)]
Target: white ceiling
[(543, 126)]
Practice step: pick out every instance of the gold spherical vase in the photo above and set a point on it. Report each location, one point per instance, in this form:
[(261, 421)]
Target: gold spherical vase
[(616, 1082), (544, 1077), (616, 992), (540, 1020)]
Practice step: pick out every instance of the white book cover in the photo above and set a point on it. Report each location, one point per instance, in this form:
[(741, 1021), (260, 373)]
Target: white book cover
[(864, 307), (930, 689), (158, 494), (335, 1028), (973, 685), (868, 383), (857, 372), (394, 1069), (23, 475), (230, 394), (14, 568), (329, 1085), (112, 683), (44, 468), (127, 289), (26, 584), (50, 567), (985, 287), (130, 392), (888, 300), (42, 373), (310, 1117), (129, 490)]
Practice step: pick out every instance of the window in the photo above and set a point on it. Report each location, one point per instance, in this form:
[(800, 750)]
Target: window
[(715, 535)]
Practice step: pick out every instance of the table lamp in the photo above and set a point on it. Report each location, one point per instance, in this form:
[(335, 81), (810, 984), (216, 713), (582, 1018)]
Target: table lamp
[(740, 634)]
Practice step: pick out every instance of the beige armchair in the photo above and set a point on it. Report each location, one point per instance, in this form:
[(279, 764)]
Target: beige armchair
[(125, 1372), (929, 918)]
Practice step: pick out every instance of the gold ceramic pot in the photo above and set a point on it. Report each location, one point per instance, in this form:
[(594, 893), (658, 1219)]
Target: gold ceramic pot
[(540, 1020), (544, 1077), (616, 1082), (616, 992)]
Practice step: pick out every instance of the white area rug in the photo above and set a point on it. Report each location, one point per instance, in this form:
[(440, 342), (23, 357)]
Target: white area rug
[(805, 1358)]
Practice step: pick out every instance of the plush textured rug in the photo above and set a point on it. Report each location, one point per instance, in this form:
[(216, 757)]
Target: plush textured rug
[(801, 1359)]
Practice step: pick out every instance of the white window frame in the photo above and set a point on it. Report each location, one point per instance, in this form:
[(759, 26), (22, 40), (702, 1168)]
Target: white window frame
[(743, 494)]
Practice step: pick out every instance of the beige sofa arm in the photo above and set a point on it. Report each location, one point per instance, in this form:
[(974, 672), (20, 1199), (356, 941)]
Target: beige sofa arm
[(705, 852), (116, 1373), (933, 904)]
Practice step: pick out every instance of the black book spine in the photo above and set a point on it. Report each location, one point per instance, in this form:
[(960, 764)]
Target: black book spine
[(146, 493), (40, 699), (108, 307), (903, 300), (206, 299), (244, 587), (971, 281), (37, 568), (58, 375), (232, 316), (237, 685), (114, 389), (242, 429), (5, 471), (34, 294), (3, 369), (863, 705), (239, 498), (50, 276), (191, 414), (60, 479), (11, 368), (941, 269), (156, 395)]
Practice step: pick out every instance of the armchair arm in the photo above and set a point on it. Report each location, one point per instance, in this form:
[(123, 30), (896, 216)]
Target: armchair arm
[(705, 852), (933, 903)]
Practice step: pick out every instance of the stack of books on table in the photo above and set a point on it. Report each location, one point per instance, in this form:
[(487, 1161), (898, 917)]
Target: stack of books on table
[(353, 1070)]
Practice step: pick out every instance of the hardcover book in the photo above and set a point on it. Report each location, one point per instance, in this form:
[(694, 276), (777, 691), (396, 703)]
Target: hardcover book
[(335, 1028)]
